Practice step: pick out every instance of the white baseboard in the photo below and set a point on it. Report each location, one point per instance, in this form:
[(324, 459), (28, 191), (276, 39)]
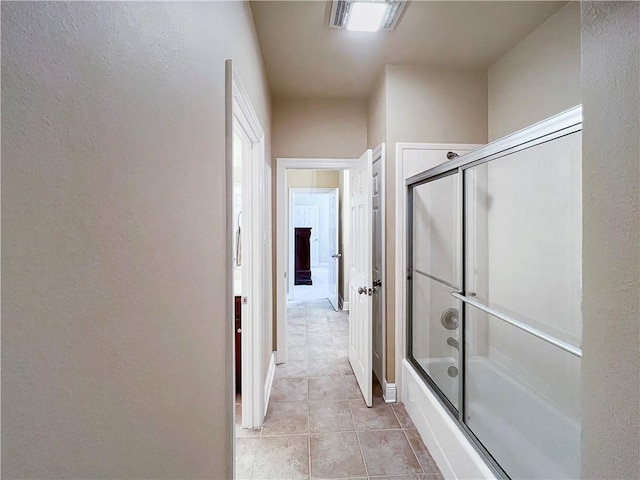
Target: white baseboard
[(389, 392), (342, 304), (269, 380), (453, 453)]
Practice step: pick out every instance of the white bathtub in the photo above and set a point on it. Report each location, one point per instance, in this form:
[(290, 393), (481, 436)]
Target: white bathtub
[(526, 434), (437, 370)]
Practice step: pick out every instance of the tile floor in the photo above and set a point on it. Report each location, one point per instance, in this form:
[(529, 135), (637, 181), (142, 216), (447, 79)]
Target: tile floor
[(317, 424)]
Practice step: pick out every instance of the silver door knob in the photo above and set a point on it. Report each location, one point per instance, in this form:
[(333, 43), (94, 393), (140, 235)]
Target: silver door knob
[(377, 283), (239, 330), (362, 290), (337, 255)]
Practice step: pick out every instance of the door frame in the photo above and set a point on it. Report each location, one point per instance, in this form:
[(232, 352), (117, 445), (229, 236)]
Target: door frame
[(240, 112), (282, 256), (401, 246)]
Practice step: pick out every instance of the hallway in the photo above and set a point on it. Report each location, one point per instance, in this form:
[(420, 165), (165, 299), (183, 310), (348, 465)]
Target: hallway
[(317, 425)]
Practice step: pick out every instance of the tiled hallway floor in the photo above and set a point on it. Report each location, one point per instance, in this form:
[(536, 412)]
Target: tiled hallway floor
[(317, 424)]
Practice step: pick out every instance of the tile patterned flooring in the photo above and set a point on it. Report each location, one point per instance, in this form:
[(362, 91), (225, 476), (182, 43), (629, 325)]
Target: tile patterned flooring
[(317, 424)]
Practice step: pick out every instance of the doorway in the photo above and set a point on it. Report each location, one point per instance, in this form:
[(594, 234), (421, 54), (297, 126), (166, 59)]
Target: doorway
[(365, 179), (314, 212), (299, 173)]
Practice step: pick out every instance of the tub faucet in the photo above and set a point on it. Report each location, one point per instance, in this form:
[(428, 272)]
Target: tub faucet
[(454, 343)]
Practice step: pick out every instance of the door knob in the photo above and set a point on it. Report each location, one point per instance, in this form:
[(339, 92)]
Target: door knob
[(362, 290), (377, 283), (337, 255)]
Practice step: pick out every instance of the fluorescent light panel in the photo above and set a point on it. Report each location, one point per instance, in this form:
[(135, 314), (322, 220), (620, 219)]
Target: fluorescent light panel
[(366, 16)]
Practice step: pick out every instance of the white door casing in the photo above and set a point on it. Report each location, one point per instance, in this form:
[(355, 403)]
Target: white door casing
[(241, 120), (378, 274), (334, 254), (360, 277)]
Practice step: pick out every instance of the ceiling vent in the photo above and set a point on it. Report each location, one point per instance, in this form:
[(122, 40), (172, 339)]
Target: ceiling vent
[(340, 12)]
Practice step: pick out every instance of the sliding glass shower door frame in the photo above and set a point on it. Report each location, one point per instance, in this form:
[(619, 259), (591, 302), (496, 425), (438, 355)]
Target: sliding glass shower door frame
[(561, 125), (460, 287)]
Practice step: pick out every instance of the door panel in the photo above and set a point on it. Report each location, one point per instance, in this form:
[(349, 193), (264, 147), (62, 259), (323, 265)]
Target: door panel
[(360, 279)]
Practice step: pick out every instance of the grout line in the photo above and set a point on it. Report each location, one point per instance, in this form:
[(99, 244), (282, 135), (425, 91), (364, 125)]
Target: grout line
[(255, 457), (414, 451), (364, 461), (308, 409)]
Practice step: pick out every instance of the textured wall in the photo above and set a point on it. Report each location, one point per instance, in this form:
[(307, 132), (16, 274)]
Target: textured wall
[(537, 78), (114, 356), (313, 179), (319, 128), (611, 229), (377, 113)]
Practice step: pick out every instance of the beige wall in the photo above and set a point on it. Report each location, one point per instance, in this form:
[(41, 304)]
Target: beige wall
[(537, 78), (113, 248), (313, 179), (611, 230), (424, 105), (319, 128), (377, 119)]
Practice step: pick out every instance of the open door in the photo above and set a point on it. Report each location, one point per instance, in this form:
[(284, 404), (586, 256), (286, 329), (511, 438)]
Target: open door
[(360, 274), (334, 254)]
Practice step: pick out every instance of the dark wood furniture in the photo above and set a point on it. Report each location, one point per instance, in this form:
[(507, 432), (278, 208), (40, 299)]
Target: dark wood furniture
[(238, 336), (302, 255)]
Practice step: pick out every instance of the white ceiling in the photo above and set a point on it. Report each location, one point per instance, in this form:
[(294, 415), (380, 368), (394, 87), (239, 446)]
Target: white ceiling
[(306, 58)]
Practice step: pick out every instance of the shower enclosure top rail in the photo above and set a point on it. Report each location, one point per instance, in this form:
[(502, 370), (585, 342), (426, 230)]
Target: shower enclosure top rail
[(567, 347), (559, 125)]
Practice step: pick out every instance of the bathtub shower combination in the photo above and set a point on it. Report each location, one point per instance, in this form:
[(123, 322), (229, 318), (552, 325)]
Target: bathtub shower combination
[(494, 292)]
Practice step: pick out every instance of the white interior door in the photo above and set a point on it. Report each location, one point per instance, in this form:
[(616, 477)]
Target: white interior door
[(360, 278), (334, 254), (307, 216)]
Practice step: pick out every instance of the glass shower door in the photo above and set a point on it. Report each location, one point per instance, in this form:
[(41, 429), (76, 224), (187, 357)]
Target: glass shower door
[(523, 279), (435, 323)]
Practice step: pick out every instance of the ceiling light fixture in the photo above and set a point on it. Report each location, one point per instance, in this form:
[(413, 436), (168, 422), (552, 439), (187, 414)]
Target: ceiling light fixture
[(366, 16)]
